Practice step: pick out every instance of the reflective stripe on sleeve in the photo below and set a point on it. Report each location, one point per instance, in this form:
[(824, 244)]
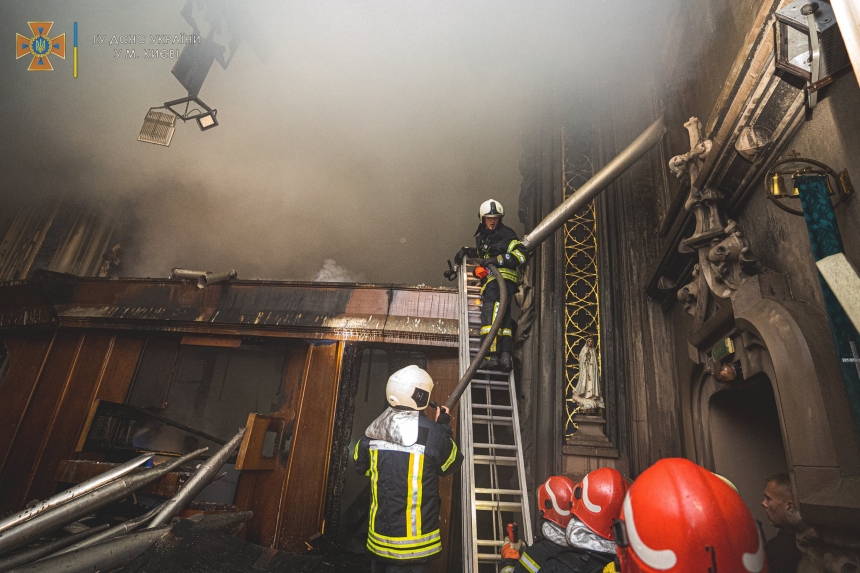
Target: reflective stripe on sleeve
[(451, 457), (355, 455), (529, 563)]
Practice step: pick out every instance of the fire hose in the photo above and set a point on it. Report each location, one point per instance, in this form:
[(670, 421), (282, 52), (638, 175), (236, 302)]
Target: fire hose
[(482, 351)]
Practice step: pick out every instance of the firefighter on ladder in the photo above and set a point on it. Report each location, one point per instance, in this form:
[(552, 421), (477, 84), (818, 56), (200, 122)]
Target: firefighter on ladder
[(405, 453), (499, 245)]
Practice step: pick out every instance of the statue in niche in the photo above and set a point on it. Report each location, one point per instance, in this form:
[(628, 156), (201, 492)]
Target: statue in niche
[(587, 390)]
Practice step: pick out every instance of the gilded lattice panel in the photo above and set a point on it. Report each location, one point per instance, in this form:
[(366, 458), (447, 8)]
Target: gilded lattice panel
[(581, 304)]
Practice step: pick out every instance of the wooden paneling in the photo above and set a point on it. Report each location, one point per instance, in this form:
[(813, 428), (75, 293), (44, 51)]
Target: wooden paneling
[(116, 377), (39, 416), (261, 491), (443, 367), (303, 503), (58, 441), (27, 356)]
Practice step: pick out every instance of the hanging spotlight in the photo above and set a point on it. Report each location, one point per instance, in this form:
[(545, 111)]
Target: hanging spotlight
[(158, 126)]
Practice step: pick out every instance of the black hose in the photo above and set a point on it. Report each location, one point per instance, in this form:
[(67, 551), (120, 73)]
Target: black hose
[(482, 352)]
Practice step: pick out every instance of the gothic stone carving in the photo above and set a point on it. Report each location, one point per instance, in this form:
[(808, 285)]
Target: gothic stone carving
[(725, 258)]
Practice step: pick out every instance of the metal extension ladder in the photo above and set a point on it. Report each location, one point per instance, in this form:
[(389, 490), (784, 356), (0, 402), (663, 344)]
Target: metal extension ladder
[(493, 482)]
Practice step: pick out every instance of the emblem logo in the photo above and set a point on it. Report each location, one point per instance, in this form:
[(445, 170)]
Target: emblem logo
[(40, 45)]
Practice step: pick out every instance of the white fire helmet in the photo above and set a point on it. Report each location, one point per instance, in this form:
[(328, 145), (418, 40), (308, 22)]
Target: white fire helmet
[(491, 208), (409, 387)]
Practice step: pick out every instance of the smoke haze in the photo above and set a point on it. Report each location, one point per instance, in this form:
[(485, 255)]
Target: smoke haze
[(368, 136)]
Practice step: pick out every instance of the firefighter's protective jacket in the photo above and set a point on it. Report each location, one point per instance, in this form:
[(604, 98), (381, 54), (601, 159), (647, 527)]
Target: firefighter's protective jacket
[(502, 245), (403, 524)]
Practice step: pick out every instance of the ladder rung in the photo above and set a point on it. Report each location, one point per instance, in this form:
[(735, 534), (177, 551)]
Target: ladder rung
[(487, 557), (491, 407), (492, 419), (490, 543), (498, 505), (495, 446), (495, 373), (498, 460), (489, 490)]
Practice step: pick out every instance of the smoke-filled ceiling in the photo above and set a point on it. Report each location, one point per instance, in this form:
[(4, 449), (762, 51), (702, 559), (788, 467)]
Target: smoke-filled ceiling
[(356, 139)]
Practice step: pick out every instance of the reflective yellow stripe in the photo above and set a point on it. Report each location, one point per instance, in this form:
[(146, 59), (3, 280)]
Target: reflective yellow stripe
[(355, 455), (520, 256), (513, 245), (420, 484), (510, 274), (451, 457), (374, 479), (505, 332), (610, 568), (413, 496), (508, 569), (407, 541), (529, 563), (485, 329), (395, 553)]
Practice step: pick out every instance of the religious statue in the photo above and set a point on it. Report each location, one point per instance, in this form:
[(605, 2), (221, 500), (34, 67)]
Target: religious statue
[(587, 390)]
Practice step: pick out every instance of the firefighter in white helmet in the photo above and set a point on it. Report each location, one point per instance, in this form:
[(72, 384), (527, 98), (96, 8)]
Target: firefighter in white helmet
[(499, 245), (404, 453)]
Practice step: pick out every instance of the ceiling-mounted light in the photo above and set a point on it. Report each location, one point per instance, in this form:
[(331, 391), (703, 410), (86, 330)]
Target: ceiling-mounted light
[(207, 120), (158, 126)]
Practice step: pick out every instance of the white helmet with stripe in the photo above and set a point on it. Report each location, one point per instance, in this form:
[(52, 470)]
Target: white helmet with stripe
[(409, 388), (491, 208)]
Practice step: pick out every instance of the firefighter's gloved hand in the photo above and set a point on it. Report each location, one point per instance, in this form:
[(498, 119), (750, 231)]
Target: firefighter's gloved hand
[(463, 253), (509, 551), (481, 272), (443, 416)]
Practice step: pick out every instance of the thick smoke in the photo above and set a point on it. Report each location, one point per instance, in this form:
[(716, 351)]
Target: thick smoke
[(370, 133), (331, 272)]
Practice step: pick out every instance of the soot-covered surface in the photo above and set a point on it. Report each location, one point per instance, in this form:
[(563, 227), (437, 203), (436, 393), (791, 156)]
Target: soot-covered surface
[(188, 549)]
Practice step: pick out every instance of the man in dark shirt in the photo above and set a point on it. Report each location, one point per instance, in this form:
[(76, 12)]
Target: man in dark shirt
[(782, 552)]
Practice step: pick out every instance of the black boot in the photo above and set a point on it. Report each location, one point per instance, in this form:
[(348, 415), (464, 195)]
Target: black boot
[(491, 362), (506, 362)]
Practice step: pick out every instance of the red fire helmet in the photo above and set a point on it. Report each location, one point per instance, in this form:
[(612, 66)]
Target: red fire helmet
[(680, 518), (555, 498), (598, 499)]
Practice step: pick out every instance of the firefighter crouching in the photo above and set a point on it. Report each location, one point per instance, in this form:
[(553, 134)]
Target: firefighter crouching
[(576, 526), (404, 453), (499, 245)]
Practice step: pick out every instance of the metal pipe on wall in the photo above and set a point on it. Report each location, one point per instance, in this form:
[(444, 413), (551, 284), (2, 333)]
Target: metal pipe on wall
[(591, 188)]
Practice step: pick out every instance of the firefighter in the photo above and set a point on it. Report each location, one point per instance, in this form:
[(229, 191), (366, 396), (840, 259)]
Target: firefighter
[(404, 453), (678, 517), (576, 526), (499, 245)]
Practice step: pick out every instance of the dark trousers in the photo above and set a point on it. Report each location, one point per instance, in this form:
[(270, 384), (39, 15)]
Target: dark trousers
[(378, 566), (504, 341)]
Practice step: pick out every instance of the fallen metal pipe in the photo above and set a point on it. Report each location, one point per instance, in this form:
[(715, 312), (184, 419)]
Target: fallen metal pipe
[(220, 520), (73, 492), (115, 531), (30, 555), (591, 188), (85, 504), (482, 351), (196, 483), (186, 274), (102, 557), (213, 278)]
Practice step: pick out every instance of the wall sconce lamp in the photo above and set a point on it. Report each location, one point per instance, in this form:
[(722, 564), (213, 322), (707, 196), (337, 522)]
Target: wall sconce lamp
[(808, 44), (158, 126), (795, 165)]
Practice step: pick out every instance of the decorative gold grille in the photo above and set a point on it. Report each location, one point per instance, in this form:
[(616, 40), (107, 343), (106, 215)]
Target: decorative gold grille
[(581, 301)]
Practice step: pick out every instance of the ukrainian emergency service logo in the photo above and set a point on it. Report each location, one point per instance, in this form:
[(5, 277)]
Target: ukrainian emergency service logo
[(40, 46)]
